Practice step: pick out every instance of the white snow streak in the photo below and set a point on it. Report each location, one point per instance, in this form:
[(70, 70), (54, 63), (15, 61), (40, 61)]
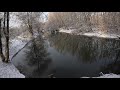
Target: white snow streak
[(90, 34), (66, 31), (111, 75)]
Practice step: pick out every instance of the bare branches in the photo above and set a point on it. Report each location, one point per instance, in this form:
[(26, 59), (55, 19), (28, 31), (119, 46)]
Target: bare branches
[(106, 22), (31, 20)]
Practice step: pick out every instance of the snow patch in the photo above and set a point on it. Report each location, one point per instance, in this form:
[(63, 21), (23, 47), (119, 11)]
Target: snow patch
[(15, 46), (66, 31), (111, 75), (8, 70), (100, 35), (90, 34), (17, 43)]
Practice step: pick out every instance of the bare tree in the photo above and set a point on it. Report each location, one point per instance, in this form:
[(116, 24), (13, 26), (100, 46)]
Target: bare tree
[(30, 20), (1, 50), (6, 33), (7, 39), (105, 22)]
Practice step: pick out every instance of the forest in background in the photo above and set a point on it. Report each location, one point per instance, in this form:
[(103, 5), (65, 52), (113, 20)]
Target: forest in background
[(106, 22)]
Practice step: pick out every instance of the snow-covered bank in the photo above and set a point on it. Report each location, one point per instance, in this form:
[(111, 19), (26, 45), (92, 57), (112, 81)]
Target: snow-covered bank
[(90, 34), (8, 70), (66, 31), (17, 44), (102, 35), (111, 75)]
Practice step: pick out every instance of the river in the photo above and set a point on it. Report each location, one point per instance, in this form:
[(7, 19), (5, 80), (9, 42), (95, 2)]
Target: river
[(69, 56)]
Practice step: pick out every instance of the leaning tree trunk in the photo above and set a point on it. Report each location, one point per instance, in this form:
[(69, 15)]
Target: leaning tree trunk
[(1, 52)]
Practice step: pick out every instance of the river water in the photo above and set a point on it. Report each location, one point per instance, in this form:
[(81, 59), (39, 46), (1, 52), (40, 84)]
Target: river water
[(69, 56)]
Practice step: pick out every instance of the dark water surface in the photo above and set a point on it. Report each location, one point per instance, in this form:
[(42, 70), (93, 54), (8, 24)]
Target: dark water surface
[(69, 56)]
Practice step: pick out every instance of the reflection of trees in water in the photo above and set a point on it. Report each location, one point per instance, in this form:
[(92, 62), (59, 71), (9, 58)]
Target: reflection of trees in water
[(37, 57), (113, 67), (88, 49)]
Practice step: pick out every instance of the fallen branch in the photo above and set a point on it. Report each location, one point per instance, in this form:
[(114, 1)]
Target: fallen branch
[(33, 38), (20, 50)]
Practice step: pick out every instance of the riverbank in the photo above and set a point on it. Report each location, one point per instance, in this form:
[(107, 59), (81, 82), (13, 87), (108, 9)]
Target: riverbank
[(8, 70), (111, 75), (17, 43), (91, 34)]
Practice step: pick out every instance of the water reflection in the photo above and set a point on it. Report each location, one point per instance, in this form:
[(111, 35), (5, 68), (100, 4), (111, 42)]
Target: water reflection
[(87, 49), (66, 55), (113, 67), (36, 60)]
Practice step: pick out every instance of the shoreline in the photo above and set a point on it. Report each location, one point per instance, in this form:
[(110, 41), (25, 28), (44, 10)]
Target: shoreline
[(92, 34), (8, 70)]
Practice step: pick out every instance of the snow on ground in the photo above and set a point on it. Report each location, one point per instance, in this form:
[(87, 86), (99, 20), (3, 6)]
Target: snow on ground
[(90, 34), (8, 70), (17, 43), (100, 35), (66, 31), (111, 75)]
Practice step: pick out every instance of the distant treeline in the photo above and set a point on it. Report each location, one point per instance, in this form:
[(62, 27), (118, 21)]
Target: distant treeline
[(84, 21)]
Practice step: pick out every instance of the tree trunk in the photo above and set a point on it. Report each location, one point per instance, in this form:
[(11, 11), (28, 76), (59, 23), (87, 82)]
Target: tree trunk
[(1, 52), (29, 24), (7, 39), (4, 24)]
